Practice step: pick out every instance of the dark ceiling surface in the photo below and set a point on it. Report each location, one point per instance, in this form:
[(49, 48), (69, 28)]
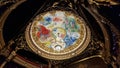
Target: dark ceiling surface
[(19, 17), (112, 13)]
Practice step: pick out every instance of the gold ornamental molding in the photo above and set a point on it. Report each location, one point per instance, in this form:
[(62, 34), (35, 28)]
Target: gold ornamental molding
[(58, 35)]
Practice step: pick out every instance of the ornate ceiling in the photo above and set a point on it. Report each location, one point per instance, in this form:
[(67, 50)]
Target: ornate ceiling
[(58, 34)]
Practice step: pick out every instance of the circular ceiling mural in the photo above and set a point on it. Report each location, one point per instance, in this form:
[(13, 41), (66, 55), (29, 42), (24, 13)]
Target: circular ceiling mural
[(58, 35)]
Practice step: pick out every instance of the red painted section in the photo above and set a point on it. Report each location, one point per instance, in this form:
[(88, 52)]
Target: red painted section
[(43, 31)]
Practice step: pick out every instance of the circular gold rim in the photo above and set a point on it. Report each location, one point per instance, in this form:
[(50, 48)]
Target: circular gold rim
[(59, 56)]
